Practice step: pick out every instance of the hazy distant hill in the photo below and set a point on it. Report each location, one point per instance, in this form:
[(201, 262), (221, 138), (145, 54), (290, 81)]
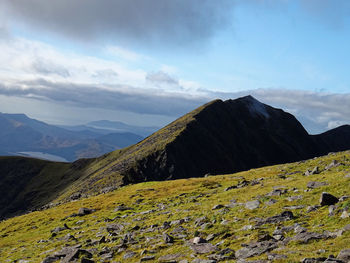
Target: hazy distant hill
[(20, 134), (122, 127)]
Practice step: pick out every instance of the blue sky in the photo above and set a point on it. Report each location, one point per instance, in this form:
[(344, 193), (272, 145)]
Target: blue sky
[(148, 62)]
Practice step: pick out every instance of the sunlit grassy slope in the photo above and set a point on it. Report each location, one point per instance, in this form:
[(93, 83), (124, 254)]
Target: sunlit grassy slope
[(28, 237)]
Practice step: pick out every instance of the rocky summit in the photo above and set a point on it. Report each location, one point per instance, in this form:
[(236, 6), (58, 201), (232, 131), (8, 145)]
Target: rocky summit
[(216, 138), (271, 214)]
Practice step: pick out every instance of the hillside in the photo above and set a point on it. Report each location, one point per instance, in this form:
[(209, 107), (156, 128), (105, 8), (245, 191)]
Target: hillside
[(216, 138), (270, 214)]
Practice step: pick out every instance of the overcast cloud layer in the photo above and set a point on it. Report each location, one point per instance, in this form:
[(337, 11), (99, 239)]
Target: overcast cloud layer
[(170, 22)]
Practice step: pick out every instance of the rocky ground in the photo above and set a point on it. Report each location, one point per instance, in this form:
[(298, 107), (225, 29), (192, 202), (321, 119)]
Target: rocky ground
[(295, 212)]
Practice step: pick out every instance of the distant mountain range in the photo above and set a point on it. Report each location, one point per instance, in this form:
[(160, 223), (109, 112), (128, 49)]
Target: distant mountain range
[(216, 138), (21, 135)]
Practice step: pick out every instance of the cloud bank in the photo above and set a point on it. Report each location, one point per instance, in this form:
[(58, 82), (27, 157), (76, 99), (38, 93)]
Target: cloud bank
[(171, 22)]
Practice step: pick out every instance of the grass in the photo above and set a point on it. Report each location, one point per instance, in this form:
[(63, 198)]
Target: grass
[(20, 236)]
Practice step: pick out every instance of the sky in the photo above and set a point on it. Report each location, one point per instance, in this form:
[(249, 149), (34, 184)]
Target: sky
[(147, 62)]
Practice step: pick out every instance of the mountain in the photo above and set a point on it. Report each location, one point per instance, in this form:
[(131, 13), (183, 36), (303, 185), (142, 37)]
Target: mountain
[(118, 126), (20, 135), (218, 137), (270, 214)]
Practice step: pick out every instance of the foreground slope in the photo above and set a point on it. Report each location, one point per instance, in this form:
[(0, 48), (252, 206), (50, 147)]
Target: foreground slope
[(268, 213), (218, 137)]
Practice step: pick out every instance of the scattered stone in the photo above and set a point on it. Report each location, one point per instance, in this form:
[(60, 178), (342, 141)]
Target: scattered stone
[(122, 208), (314, 184), (170, 257), (284, 216), (255, 249), (344, 198), (147, 258), (277, 192), (198, 240), (129, 254), (294, 198), (276, 256), (201, 220), (50, 259), (271, 202), (114, 228), (305, 237), (313, 260), (60, 229), (217, 207), (315, 170), (344, 215), (168, 239), (203, 248), (210, 237), (198, 260), (294, 207), (333, 164), (252, 204), (230, 187), (344, 255), (85, 211), (312, 208), (76, 254), (328, 199)]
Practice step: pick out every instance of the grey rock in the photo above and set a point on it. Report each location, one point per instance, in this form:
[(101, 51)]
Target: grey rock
[(114, 228), (315, 170), (129, 254), (147, 258), (217, 207), (76, 254), (277, 192), (50, 259), (230, 188), (294, 198), (314, 184), (344, 215), (333, 164), (306, 237), (122, 208), (344, 255), (294, 207), (168, 239), (203, 248), (284, 216), (312, 208), (198, 260), (60, 229), (328, 199), (271, 202), (344, 198), (255, 249), (201, 220), (276, 256), (251, 205), (170, 257), (313, 260), (85, 211), (198, 240)]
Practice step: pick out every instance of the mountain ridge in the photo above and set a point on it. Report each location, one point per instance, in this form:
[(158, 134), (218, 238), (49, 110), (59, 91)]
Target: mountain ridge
[(218, 137)]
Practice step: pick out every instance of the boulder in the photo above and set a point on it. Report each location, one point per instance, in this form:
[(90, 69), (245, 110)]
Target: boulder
[(328, 199), (85, 211), (344, 255), (251, 205)]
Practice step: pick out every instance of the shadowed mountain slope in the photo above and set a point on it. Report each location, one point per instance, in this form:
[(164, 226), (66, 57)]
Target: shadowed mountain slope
[(218, 137)]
